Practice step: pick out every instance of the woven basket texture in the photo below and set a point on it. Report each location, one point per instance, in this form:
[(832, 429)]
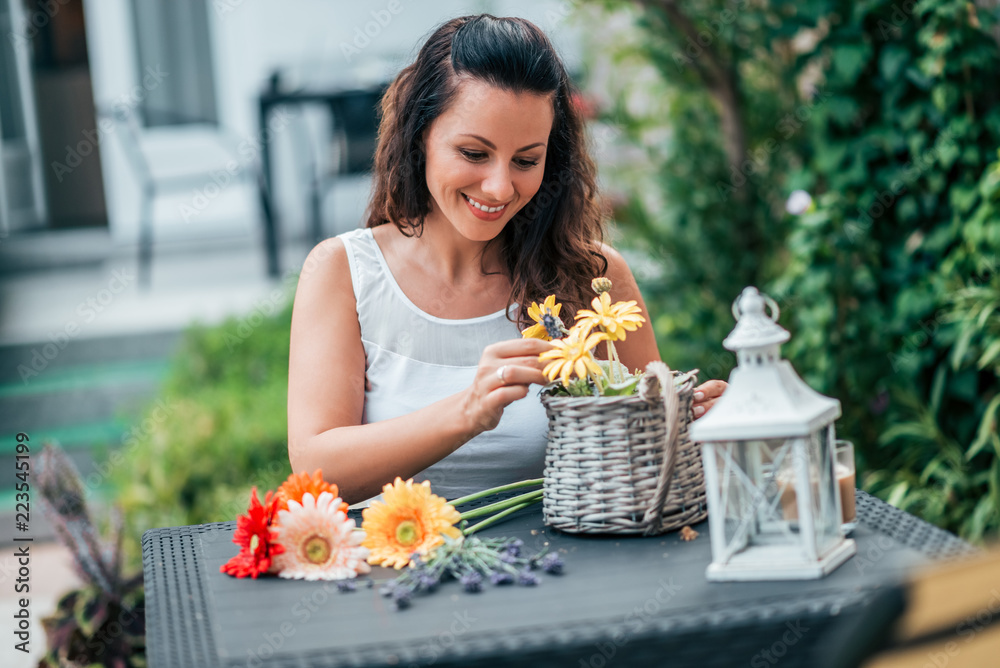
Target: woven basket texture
[(603, 461)]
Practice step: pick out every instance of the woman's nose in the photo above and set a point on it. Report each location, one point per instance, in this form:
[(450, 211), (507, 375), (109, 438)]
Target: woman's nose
[(498, 184)]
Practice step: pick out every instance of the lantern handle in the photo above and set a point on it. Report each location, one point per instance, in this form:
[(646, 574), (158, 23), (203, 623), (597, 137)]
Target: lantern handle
[(768, 301)]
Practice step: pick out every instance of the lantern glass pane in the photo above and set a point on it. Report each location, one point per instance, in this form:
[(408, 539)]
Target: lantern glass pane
[(826, 508), (776, 517), (753, 491), (734, 497)]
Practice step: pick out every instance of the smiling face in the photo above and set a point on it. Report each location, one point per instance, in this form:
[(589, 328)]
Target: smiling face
[(486, 157)]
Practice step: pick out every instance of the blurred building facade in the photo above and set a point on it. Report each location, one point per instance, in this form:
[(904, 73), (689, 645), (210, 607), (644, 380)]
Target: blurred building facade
[(191, 73)]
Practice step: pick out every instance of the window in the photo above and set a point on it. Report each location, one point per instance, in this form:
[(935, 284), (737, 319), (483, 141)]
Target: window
[(174, 37)]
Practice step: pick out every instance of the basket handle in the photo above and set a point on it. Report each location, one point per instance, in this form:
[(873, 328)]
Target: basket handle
[(652, 521)]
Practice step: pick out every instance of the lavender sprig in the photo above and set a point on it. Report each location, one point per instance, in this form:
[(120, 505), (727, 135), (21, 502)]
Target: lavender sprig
[(471, 560)]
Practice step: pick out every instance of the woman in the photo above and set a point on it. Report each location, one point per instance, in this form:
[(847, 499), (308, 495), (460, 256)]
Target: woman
[(405, 354)]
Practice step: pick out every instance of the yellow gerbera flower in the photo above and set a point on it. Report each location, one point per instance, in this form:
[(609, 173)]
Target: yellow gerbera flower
[(541, 329), (615, 319), (572, 355), (409, 520)]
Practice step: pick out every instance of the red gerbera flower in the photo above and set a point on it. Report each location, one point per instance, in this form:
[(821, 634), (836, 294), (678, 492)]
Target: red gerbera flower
[(253, 535)]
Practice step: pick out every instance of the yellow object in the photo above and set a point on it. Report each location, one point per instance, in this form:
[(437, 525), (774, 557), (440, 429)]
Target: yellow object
[(409, 519), (572, 355), (536, 313), (950, 618), (615, 319)]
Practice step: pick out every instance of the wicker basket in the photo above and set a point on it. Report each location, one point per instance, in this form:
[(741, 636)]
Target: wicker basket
[(605, 470)]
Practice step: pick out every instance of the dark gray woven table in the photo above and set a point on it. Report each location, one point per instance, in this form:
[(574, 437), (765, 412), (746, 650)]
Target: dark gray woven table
[(622, 601)]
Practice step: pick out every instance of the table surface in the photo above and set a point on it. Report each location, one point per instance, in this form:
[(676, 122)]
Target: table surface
[(630, 600)]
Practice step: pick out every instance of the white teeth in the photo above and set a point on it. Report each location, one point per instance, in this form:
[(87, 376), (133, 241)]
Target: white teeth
[(487, 209)]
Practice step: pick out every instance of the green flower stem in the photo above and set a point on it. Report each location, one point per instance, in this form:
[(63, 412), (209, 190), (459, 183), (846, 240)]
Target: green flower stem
[(614, 358), (497, 490), (499, 516), (501, 505)]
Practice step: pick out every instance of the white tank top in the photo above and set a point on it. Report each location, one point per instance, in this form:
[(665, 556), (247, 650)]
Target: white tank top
[(414, 359)]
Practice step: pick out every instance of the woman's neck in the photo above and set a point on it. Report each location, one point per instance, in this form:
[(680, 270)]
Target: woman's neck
[(455, 258)]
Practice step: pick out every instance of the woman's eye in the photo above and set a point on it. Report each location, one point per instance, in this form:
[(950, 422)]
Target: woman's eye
[(526, 164), (474, 156)]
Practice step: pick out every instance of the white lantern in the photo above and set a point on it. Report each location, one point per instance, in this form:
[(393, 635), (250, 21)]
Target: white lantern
[(768, 450)]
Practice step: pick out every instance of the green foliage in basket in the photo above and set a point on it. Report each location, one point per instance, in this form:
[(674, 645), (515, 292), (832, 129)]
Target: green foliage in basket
[(888, 114), (602, 386)]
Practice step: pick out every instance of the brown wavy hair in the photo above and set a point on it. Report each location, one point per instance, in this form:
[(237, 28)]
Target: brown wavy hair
[(553, 244)]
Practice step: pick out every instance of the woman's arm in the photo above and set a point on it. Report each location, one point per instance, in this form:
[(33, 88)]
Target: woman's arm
[(639, 347), (326, 381)]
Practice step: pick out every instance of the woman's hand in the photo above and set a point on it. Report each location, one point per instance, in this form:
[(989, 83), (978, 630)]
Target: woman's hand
[(706, 394), (517, 362)]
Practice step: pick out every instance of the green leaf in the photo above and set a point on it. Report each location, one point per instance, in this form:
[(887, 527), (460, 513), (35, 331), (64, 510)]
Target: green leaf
[(987, 429), (624, 388), (892, 61), (849, 60), (985, 314), (937, 389), (90, 611), (961, 348), (990, 354), (898, 494)]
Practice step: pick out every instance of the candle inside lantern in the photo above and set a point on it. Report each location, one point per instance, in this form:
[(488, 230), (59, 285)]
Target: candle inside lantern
[(845, 480)]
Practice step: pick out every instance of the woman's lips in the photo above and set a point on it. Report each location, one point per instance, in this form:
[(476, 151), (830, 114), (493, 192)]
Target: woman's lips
[(484, 215)]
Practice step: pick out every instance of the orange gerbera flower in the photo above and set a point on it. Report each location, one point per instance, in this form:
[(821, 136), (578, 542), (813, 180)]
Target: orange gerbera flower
[(296, 486), (409, 520)]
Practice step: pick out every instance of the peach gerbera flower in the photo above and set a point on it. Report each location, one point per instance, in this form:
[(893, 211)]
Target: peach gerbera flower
[(299, 484), (409, 520), (320, 542)]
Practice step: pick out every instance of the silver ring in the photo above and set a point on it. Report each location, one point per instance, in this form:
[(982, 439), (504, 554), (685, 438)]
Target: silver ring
[(500, 374)]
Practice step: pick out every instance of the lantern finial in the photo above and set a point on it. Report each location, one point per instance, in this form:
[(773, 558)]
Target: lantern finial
[(754, 327)]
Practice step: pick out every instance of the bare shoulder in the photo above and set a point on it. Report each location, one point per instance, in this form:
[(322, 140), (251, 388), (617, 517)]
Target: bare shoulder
[(615, 259), (326, 263), (324, 296), (619, 272)]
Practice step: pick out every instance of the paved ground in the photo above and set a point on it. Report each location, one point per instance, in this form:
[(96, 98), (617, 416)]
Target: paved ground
[(52, 575)]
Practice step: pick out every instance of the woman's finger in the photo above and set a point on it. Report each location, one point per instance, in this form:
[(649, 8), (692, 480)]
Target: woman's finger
[(505, 395), (703, 407), (710, 389), (516, 348), (531, 362), (519, 375)]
